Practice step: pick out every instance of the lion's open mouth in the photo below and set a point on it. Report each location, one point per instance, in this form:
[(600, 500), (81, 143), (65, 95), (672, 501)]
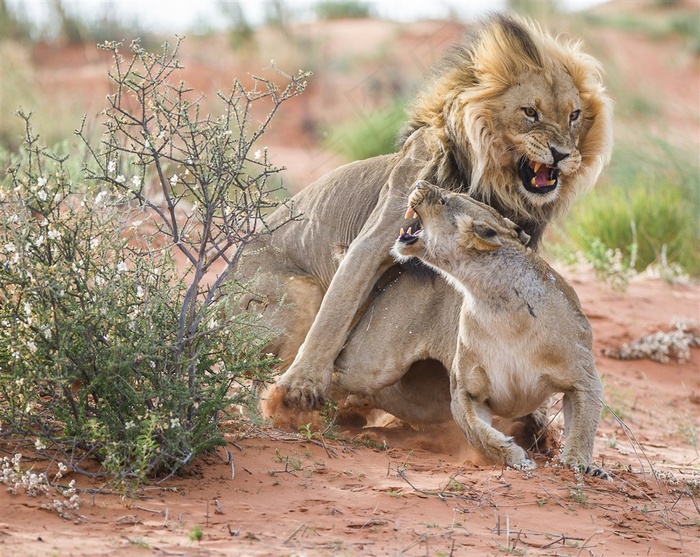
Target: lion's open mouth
[(538, 177)]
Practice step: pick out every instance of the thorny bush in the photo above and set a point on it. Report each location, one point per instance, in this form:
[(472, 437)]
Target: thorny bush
[(108, 350)]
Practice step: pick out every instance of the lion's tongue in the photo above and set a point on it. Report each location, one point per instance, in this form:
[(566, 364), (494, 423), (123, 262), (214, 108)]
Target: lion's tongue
[(542, 176)]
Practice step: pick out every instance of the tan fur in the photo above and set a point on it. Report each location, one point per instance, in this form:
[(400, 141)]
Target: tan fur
[(467, 132), (520, 336)]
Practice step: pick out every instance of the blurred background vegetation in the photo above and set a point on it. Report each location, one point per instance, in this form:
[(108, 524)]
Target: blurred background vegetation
[(643, 212)]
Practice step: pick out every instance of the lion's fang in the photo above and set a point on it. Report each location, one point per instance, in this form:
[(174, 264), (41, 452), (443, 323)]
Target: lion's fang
[(409, 213), (533, 182), (409, 231), (551, 182), (402, 232), (537, 166)]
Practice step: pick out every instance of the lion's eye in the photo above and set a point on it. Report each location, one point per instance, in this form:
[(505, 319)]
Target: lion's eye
[(443, 201), (574, 116), (531, 113)]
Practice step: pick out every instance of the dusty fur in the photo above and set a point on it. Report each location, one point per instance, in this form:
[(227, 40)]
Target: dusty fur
[(520, 336), (514, 117)]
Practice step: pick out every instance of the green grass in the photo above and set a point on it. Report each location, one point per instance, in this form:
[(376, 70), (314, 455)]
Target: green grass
[(647, 205), (373, 135)]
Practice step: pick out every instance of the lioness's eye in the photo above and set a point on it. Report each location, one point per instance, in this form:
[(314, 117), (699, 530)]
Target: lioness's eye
[(530, 112), (575, 115), (443, 201)]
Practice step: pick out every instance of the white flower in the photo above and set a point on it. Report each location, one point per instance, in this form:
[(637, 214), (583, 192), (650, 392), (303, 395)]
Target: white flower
[(41, 194), (27, 308), (257, 154), (41, 181), (39, 241), (173, 180), (54, 234), (9, 247), (136, 223), (111, 166), (136, 181), (94, 243), (39, 444), (120, 179), (129, 424), (44, 223), (139, 291), (174, 422), (99, 198), (121, 267)]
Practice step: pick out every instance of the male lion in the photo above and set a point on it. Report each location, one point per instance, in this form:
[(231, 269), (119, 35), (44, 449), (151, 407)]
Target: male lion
[(508, 328), (514, 117)]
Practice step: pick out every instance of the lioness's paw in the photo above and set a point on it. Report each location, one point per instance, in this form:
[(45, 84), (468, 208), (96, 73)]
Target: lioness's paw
[(517, 458), (595, 471), (586, 468)]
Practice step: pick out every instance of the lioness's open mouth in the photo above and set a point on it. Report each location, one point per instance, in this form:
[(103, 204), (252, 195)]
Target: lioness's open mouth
[(538, 177), (413, 232)]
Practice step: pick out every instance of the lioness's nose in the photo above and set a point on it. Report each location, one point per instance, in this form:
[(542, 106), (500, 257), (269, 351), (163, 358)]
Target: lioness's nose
[(558, 155)]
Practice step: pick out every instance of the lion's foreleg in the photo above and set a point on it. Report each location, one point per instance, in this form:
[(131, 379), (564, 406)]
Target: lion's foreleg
[(469, 391), (582, 411)]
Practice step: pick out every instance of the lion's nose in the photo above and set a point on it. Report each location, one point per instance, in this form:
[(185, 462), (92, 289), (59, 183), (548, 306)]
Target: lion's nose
[(558, 155)]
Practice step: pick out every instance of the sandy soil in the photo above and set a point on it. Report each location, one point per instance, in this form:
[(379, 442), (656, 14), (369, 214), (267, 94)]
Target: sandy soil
[(393, 490), (396, 491)]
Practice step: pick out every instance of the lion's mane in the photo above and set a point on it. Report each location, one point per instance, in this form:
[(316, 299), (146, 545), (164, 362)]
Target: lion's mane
[(463, 93)]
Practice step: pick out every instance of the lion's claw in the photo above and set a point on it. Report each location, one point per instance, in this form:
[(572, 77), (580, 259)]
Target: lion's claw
[(306, 398)]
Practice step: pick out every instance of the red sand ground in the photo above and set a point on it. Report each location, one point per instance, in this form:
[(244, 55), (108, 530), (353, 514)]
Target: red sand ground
[(287, 496), (421, 495)]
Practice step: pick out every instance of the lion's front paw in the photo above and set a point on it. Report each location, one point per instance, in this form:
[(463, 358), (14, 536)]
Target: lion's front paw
[(306, 392)]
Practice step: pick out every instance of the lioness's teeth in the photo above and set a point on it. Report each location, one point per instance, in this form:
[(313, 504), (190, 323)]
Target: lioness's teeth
[(402, 232), (551, 182), (409, 231), (537, 166), (533, 182), (409, 213)]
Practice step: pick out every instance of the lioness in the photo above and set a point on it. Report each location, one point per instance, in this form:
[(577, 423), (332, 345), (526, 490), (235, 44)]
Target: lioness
[(511, 331), (514, 117)]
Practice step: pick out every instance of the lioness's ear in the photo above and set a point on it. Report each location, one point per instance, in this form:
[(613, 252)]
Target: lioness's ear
[(485, 237)]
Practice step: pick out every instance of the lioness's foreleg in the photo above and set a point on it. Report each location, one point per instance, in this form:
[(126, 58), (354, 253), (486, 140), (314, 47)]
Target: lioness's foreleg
[(470, 390), (582, 411)]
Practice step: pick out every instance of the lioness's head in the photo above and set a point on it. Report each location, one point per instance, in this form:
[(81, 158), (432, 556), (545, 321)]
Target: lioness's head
[(522, 118), (453, 229)]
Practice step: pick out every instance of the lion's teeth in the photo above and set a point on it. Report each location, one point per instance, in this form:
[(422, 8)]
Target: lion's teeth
[(409, 213), (409, 231), (533, 182), (551, 182), (537, 166), (402, 232)]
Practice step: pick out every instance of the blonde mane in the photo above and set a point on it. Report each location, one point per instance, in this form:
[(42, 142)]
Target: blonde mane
[(463, 93)]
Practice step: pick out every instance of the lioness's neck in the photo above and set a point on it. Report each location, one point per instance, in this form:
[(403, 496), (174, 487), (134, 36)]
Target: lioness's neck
[(501, 280)]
